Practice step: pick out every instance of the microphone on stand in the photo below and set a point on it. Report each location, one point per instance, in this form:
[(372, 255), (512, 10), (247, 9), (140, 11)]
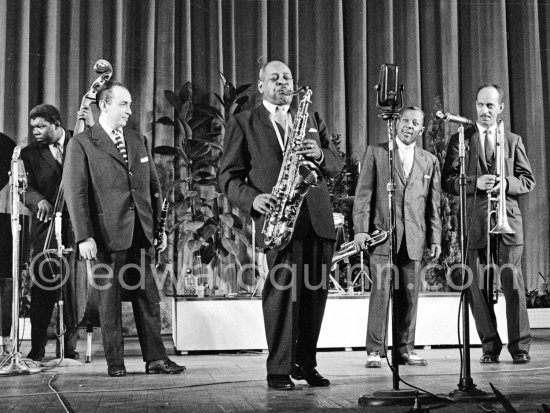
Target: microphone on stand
[(449, 117)]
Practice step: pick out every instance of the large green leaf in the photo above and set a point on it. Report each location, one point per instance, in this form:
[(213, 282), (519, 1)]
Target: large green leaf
[(231, 246), (229, 93), (194, 245), (228, 219), (165, 120), (208, 231), (184, 239), (186, 111), (166, 150), (242, 236), (196, 149), (208, 252), (205, 174), (174, 184), (174, 99), (193, 225), (186, 92), (189, 194), (240, 89)]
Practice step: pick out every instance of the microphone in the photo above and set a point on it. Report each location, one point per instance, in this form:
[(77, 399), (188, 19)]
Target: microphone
[(389, 94), (449, 117)]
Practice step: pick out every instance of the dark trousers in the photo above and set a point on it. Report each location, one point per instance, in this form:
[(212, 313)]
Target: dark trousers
[(406, 296), (6, 303), (5, 273), (45, 292), (129, 275), (293, 302), (40, 314), (511, 278)]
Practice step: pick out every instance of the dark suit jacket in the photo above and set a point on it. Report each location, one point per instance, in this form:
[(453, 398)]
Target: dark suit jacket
[(104, 195), (517, 172), (252, 161), (416, 200), (43, 179), (6, 152)]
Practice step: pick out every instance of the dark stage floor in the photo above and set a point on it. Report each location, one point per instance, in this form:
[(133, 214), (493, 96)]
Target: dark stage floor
[(236, 383)]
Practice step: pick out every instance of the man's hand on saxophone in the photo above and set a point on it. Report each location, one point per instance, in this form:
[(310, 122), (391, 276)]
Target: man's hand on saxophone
[(310, 149), (263, 203)]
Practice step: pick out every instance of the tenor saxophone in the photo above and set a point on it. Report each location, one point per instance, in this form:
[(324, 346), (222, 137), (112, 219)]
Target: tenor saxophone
[(296, 177)]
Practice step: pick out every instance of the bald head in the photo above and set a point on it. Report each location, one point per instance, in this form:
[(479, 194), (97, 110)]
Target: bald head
[(275, 83)]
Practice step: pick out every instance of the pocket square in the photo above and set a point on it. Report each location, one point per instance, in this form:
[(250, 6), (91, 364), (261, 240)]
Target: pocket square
[(312, 130), (146, 159), (427, 176)]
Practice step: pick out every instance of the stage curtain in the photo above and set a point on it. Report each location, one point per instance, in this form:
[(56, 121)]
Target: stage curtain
[(444, 49)]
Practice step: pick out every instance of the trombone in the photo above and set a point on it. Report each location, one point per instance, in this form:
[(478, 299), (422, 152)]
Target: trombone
[(496, 212)]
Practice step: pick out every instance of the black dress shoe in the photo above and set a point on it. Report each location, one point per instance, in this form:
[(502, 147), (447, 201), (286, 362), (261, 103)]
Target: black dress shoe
[(521, 357), (312, 376), (165, 366), (488, 358), (36, 354), (117, 371), (279, 382)]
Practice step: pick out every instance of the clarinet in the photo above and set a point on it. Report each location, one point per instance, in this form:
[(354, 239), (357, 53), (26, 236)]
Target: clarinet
[(160, 229)]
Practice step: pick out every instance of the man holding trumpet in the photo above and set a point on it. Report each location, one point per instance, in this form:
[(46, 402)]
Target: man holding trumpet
[(506, 248)]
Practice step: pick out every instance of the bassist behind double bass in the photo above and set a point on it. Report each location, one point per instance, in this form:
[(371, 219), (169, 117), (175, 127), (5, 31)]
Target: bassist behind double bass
[(43, 161)]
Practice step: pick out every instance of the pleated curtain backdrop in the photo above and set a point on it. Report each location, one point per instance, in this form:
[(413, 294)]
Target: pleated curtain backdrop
[(444, 49)]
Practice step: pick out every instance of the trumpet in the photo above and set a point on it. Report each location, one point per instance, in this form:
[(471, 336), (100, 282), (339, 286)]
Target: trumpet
[(496, 212), (348, 249)]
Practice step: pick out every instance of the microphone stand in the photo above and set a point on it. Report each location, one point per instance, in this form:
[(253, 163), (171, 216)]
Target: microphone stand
[(396, 396), (467, 390), (13, 364)]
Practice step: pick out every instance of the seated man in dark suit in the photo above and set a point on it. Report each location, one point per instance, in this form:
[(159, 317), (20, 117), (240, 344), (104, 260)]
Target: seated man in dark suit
[(417, 196), (295, 293), (113, 196)]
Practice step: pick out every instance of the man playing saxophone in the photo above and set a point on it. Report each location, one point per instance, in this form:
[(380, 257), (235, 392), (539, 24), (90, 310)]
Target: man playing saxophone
[(481, 178), (296, 289), (417, 198)]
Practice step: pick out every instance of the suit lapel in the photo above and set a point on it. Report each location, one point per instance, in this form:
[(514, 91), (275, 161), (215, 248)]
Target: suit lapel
[(132, 147), (419, 161), (272, 141), (102, 140), (46, 154)]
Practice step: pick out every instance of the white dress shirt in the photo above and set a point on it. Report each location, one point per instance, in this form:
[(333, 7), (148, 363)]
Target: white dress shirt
[(406, 155)]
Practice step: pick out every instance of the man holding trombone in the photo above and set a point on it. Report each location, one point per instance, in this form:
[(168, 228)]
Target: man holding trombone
[(497, 172)]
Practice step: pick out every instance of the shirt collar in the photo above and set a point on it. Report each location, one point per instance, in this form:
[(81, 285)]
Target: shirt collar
[(272, 108), (405, 148), (108, 129), (61, 141), (482, 129)]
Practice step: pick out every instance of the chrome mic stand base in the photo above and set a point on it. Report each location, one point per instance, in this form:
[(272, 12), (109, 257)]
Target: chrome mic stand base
[(396, 398), (14, 366)]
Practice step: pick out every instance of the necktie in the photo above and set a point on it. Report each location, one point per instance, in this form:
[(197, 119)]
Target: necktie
[(58, 154), (119, 142), (489, 150), (280, 117)]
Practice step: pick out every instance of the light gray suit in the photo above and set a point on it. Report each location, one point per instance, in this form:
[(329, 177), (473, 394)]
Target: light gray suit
[(418, 223)]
